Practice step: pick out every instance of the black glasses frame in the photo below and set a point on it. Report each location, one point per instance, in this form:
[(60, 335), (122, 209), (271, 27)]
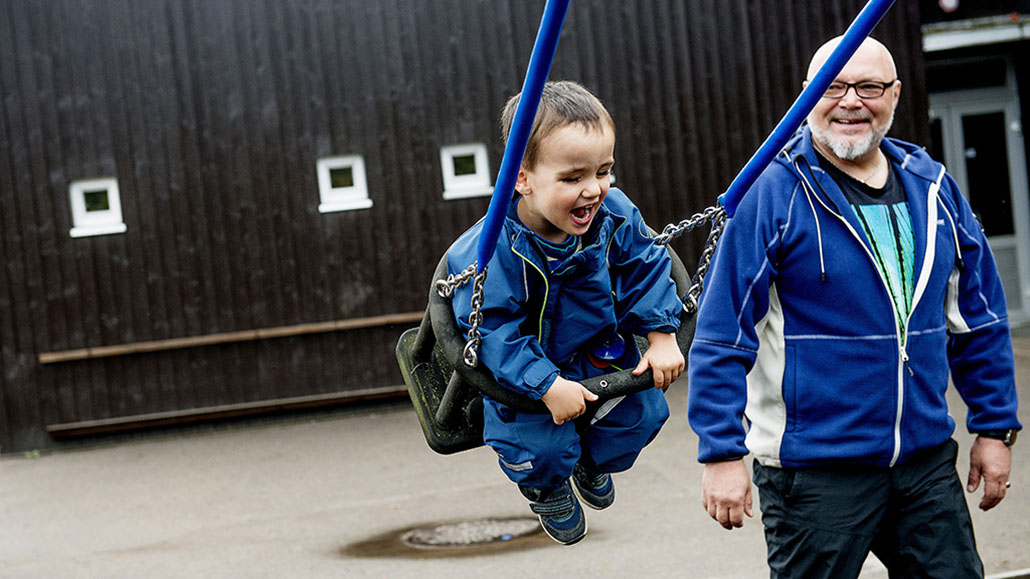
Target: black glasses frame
[(881, 87)]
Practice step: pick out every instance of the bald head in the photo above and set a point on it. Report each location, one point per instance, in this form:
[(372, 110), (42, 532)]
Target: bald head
[(870, 53), (850, 124)]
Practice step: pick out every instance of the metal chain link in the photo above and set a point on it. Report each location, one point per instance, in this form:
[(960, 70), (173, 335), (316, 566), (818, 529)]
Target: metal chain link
[(445, 289), (471, 353), (697, 282), (672, 231)]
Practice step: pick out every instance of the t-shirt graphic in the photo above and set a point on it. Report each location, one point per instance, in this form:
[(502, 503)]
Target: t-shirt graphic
[(887, 223), (889, 227)]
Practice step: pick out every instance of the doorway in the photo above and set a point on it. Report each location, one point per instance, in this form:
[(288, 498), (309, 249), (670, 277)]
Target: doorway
[(976, 132)]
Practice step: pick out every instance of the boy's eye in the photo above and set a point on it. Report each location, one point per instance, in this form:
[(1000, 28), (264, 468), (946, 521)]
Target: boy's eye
[(570, 180)]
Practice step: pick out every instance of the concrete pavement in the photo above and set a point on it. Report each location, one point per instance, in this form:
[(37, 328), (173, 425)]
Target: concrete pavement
[(329, 497)]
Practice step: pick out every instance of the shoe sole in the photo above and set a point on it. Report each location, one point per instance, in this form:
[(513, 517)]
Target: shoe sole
[(559, 541), (579, 495)]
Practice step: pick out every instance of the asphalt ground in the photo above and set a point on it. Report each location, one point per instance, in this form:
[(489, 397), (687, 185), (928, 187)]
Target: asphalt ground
[(332, 495)]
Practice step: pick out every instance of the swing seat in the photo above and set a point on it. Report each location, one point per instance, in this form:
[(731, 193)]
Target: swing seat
[(448, 395)]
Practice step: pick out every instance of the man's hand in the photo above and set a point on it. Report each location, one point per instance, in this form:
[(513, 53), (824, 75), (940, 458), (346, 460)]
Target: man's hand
[(567, 399), (990, 460), (663, 357), (726, 492)]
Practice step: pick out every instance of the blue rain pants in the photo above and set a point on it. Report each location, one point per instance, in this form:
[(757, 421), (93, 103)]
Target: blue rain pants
[(534, 451)]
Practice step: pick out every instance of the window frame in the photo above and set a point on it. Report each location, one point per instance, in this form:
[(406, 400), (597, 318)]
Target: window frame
[(465, 186), (87, 223), (333, 199)]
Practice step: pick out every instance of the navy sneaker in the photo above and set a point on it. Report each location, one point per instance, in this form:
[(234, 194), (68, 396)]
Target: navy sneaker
[(560, 513), (596, 490)]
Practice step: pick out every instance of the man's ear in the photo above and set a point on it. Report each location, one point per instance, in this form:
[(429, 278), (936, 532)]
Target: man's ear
[(522, 183)]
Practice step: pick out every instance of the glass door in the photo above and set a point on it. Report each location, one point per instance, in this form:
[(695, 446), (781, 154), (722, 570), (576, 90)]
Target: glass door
[(979, 136)]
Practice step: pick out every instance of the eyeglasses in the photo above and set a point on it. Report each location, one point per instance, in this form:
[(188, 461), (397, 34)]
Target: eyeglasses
[(866, 89)]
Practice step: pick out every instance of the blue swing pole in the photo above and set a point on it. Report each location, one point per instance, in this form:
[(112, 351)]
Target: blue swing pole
[(863, 24), (522, 123)]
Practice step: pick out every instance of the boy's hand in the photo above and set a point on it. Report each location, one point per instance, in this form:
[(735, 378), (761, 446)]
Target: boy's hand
[(663, 357), (567, 399)]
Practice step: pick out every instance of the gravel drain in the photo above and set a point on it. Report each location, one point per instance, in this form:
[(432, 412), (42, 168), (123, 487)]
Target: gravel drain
[(470, 533)]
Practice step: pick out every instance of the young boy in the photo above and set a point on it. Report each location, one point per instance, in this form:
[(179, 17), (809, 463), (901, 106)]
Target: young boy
[(574, 276)]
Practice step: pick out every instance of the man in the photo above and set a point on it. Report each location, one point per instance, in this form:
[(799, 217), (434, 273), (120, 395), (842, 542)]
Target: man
[(851, 283)]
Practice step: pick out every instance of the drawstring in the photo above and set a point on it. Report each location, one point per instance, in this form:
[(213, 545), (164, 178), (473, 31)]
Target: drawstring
[(809, 193)]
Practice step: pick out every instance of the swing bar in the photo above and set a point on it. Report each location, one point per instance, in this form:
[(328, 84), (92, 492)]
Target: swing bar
[(522, 124), (863, 24)]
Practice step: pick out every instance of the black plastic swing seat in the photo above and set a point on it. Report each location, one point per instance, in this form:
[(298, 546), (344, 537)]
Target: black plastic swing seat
[(447, 394)]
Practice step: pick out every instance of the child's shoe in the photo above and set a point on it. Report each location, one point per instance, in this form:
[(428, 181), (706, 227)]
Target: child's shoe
[(596, 490), (560, 513)]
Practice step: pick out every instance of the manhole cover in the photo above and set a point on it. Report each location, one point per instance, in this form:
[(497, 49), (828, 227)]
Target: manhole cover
[(470, 533)]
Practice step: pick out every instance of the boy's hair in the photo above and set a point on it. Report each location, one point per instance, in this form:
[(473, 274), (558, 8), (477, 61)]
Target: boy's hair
[(562, 103)]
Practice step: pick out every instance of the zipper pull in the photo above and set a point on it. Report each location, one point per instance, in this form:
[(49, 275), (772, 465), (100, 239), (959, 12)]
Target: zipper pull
[(904, 360)]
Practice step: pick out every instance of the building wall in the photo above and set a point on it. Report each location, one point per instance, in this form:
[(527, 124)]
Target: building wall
[(211, 115), (937, 11)]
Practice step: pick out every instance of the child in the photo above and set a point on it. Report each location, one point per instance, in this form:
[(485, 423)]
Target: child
[(574, 276)]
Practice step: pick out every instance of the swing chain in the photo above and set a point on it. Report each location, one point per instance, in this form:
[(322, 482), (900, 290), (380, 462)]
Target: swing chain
[(470, 354), (697, 282), (445, 287), (716, 215), (672, 231)]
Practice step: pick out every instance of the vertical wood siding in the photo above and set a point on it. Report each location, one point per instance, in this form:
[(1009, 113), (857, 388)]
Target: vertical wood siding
[(211, 114)]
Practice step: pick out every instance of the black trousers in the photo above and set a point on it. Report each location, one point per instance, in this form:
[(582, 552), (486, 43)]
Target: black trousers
[(823, 522)]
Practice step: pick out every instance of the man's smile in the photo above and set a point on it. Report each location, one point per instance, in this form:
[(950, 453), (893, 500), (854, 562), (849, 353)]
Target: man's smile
[(850, 122)]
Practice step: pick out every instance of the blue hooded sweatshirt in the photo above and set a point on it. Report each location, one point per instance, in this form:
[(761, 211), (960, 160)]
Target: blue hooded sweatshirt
[(798, 334)]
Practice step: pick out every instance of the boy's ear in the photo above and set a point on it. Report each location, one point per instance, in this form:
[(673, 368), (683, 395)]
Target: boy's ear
[(522, 183)]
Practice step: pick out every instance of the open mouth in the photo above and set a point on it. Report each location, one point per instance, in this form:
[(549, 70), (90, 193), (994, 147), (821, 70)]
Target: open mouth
[(582, 215), (851, 122)]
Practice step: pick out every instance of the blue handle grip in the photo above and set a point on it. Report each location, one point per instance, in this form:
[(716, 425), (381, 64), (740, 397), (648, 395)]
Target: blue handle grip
[(863, 24), (522, 123)]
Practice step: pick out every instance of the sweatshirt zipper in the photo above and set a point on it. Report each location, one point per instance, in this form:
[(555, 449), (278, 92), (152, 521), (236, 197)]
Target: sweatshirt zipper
[(902, 353)]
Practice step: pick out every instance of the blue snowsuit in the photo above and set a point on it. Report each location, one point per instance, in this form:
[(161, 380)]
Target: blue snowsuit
[(798, 332), (541, 320)]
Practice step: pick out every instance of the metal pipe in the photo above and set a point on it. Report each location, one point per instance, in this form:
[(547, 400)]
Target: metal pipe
[(863, 24), (449, 410), (522, 123)]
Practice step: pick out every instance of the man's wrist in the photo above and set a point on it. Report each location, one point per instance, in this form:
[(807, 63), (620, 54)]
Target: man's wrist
[(1007, 437)]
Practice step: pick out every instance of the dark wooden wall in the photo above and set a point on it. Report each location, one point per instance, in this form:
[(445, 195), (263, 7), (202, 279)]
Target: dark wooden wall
[(211, 114)]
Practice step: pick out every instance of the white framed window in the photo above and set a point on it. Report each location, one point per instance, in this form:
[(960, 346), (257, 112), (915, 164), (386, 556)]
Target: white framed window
[(466, 172), (96, 207), (342, 184)]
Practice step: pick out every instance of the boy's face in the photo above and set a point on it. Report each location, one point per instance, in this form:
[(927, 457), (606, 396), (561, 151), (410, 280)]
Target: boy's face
[(562, 193)]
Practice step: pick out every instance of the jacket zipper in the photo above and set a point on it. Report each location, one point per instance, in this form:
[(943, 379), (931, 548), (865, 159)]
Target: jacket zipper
[(547, 295), (902, 352)]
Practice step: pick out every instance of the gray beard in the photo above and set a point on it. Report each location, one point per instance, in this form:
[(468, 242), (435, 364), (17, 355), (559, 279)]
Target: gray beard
[(850, 151)]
